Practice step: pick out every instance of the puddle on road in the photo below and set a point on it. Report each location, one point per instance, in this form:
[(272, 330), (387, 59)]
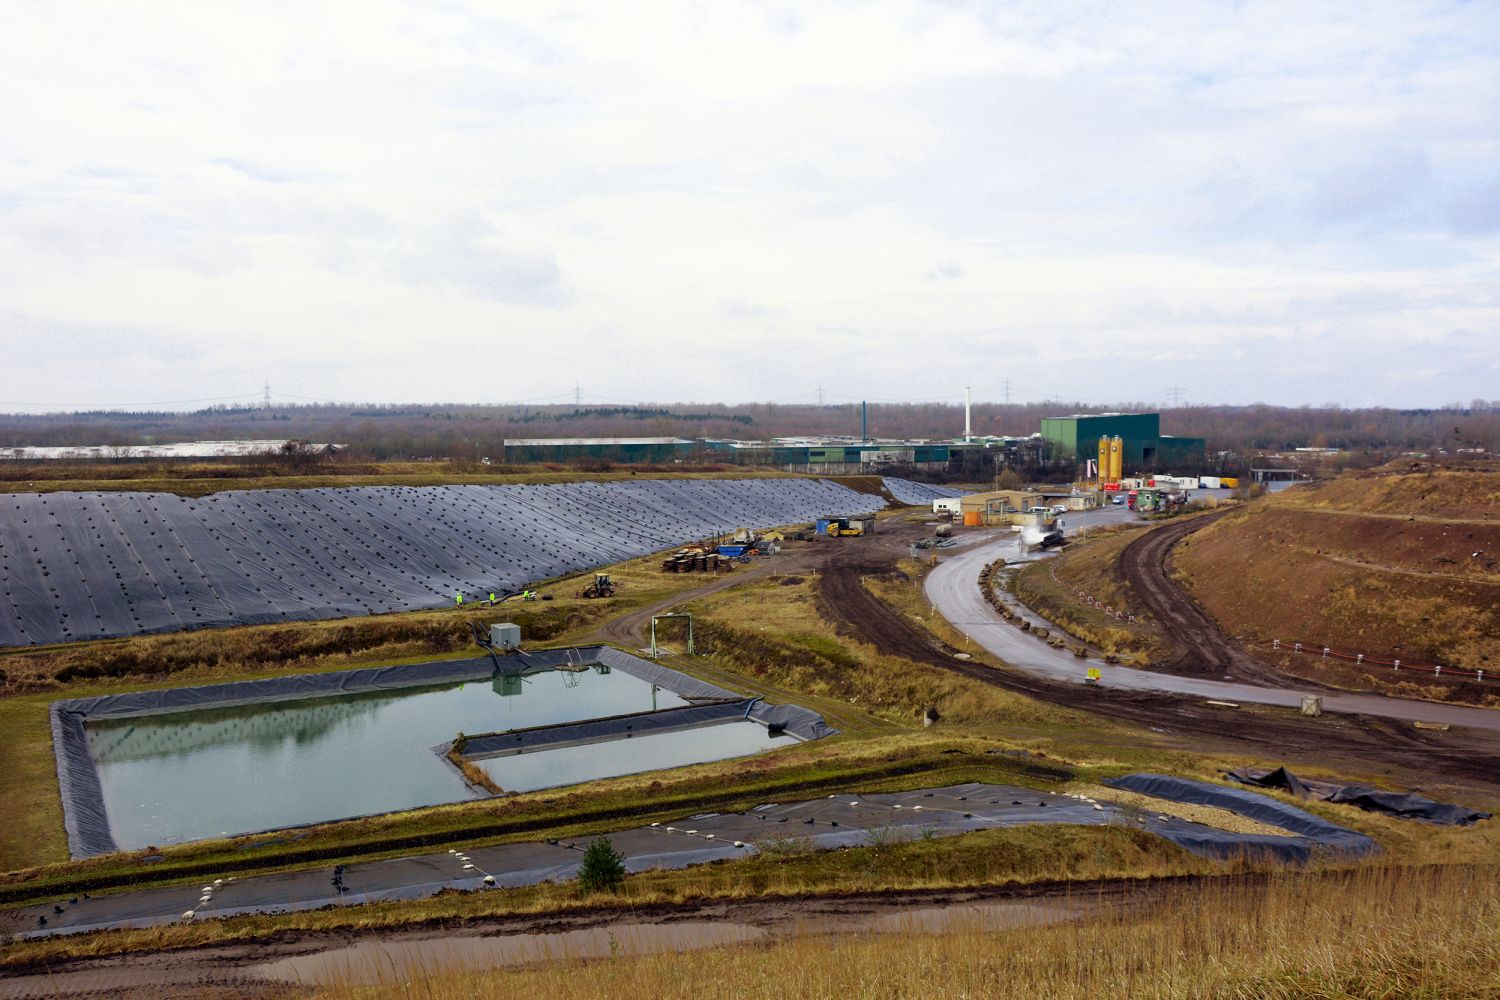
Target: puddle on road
[(388, 962)]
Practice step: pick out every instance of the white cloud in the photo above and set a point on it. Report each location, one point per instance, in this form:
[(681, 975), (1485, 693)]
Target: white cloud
[(349, 198)]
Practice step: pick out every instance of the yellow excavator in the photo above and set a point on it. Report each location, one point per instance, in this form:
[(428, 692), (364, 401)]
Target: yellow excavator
[(601, 587)]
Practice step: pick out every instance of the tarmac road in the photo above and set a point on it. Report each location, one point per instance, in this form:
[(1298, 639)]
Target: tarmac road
[(953, 588)]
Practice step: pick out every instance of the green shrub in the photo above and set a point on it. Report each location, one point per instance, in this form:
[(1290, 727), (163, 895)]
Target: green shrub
[(603, 868)]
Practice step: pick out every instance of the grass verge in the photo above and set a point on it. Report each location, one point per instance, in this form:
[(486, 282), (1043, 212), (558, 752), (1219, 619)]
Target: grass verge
[(1019, 855), (854, 764), (1372, 933)]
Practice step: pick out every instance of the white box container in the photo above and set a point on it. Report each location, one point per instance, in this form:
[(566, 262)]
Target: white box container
[(505, 635)]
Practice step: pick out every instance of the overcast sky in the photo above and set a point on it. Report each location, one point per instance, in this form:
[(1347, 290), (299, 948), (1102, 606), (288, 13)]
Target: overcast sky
[(1282, 202)]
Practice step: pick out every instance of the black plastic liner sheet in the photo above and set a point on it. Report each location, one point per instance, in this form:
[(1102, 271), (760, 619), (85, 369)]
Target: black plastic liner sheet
[(76, 566), (847, 819), (800, 722), (1404, 805), (84, 815), (596, 730), (840, 820), (918, 494), (1311, 834)]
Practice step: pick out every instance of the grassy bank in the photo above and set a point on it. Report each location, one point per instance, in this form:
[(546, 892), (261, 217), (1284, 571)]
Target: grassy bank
[(1374, 933), (1050, 587), (772, 629), (787, 869)]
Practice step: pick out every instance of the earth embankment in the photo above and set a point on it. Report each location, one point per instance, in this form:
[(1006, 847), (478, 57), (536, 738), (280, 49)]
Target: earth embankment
[(1392, 567)]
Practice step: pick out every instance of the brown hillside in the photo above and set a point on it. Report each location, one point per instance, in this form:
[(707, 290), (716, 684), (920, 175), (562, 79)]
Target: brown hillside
[(1402, 566), (1440, 493)]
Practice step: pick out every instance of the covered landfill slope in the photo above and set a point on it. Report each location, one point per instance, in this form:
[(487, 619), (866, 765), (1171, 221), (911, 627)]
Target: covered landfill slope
[(918, 494), (76, 566)]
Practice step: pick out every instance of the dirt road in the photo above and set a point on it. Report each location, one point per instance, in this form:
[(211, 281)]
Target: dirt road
[(1359, 743), (1201, 648), (892, 539), (1366, 734)]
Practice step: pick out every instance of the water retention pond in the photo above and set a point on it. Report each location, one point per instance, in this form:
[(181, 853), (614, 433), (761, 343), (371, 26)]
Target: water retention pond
[(162, 767)]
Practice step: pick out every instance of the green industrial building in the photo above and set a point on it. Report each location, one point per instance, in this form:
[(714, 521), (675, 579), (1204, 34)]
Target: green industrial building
[(630, 451), (1146, 449), (832, 456)]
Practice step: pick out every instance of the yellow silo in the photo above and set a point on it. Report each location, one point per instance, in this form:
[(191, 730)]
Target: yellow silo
[(1104, 460), (1116, 459)]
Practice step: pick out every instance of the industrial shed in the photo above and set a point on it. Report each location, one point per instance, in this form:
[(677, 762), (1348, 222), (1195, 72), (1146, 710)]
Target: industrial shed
[(998, 506), (1145, 446), (627, 451)]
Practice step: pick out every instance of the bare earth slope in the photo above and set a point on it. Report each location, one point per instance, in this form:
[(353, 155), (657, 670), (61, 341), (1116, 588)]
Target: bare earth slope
[(1395, 566)]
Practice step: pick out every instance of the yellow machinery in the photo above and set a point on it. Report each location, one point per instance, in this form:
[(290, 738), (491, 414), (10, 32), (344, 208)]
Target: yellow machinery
[(602, 586), (1116, 459), (1104, 465), (848, 527)]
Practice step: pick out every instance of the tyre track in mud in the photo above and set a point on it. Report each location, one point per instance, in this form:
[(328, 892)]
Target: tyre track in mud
[(1201, 647), (1353, 742)]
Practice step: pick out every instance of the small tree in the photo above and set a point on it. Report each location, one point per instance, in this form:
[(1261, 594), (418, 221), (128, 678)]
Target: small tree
[(603, 868)]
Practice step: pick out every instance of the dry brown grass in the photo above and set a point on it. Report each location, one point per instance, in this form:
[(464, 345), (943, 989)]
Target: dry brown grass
[(1019, 855), (1360, 582), (1446, 494), (1219, 819), (773, 631), (1372, 933)]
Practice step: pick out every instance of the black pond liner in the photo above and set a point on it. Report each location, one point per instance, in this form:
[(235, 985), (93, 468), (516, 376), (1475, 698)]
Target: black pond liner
[(1308, 837), (829, 822), (87, 821), (1403, 805)]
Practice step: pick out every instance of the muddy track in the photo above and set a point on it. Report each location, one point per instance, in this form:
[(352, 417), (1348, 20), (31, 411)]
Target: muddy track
[(232, 971), (1354, 742), (1201, 649)]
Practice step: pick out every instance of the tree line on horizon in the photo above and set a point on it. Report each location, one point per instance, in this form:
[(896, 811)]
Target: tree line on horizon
[(475, 432)]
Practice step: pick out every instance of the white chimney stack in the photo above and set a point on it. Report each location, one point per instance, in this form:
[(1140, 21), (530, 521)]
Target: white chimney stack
[(968, 401)]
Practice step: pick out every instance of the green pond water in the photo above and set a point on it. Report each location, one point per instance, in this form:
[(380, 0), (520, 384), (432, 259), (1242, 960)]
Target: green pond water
[(191, 775)]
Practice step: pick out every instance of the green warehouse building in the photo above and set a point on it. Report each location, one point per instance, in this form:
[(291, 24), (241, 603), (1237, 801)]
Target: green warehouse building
[(1146, 448)]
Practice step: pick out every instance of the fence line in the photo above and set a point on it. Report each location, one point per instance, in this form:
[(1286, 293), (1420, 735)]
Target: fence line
[(1324, 652), (1088, 599)]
